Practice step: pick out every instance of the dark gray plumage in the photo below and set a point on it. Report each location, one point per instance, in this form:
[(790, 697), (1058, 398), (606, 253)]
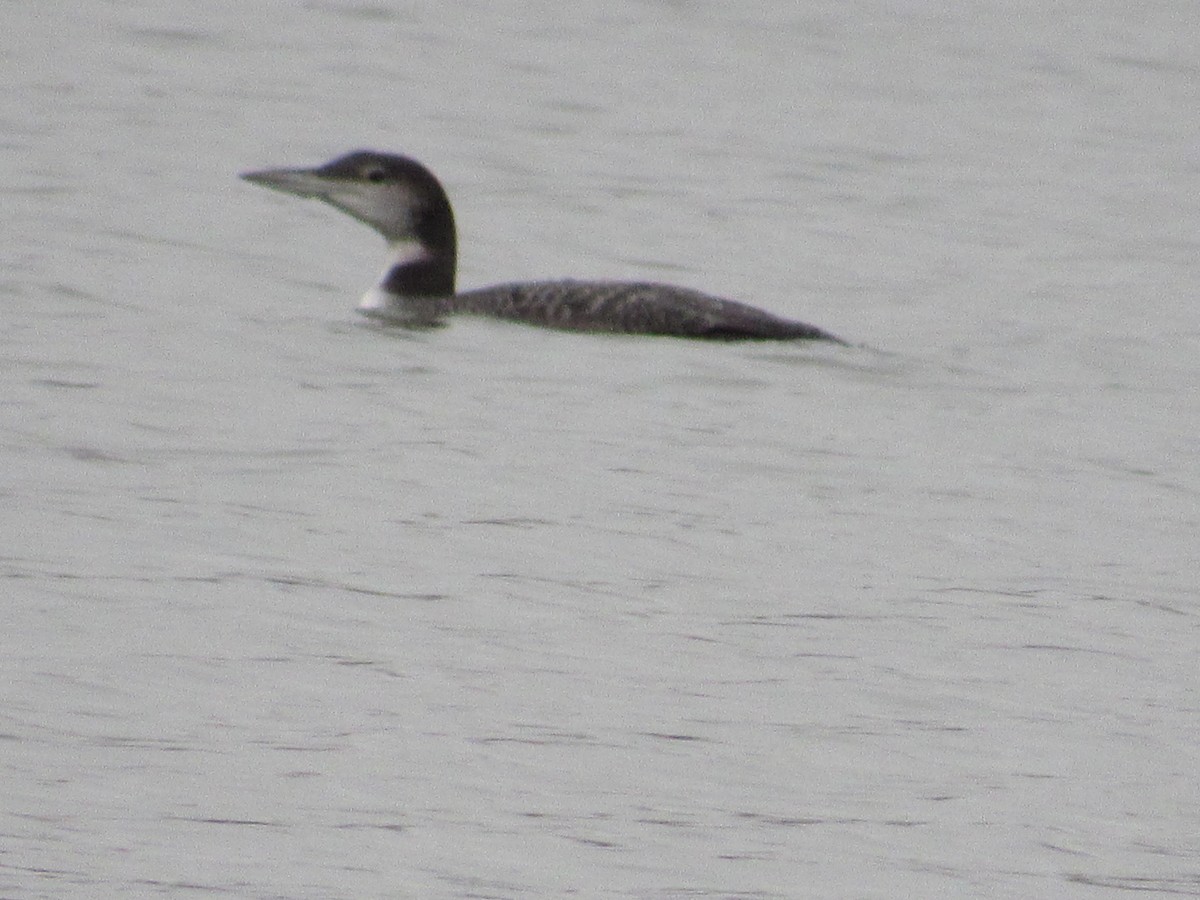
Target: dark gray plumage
[(404, 202)]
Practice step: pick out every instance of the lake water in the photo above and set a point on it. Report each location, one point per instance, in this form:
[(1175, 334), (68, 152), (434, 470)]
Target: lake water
[(297, 607)]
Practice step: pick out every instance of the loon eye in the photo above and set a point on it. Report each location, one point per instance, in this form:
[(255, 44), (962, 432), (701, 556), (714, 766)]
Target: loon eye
[(375, 174)]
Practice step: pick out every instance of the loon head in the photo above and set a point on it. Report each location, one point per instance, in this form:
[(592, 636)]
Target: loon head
[(399, 198)]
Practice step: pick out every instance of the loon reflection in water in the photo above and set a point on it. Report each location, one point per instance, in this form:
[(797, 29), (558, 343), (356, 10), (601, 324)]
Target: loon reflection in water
[(403, 201)]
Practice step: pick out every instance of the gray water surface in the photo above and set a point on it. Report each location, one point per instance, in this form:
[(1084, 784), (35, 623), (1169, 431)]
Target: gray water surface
[(296, 607)]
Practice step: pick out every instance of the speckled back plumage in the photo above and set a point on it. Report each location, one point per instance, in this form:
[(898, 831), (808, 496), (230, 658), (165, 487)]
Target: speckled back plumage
[(631, 308)]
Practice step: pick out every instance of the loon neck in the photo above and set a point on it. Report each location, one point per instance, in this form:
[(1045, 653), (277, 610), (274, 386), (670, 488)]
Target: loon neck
[(423, 241), (426, 276), (416, 287), (418, 270)]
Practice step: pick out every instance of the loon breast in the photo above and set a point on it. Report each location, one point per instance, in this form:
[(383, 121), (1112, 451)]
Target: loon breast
[(404, 201)]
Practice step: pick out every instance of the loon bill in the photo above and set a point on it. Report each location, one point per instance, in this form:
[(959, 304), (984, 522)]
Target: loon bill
[(404, 201)]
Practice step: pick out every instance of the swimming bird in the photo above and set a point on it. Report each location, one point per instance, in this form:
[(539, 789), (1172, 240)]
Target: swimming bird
[(405, 202)]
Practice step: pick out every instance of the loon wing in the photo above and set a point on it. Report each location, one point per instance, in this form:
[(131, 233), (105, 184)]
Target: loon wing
[(632, 308)]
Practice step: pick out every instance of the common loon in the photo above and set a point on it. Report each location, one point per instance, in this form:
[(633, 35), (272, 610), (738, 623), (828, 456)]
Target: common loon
[(404, 201)]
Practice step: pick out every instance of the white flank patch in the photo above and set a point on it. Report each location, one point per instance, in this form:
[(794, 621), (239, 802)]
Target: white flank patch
[(376, 300)]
